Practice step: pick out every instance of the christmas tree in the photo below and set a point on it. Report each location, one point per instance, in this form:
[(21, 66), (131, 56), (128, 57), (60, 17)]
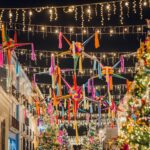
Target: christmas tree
[(91, 141), (48, 139), (135, 130)]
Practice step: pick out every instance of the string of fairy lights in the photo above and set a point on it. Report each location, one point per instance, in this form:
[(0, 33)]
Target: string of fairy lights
[(76, 30), (46, 54), (102, 10)]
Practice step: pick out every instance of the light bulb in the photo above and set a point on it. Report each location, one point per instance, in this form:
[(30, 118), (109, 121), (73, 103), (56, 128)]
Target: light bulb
[(126, 4), (88, 10), (50, 11), (108, 7), (104, 56), (98, 31), (144, 3), (10, 15), (29, 28), (43, 28), (84, 31), (56, 31), (139, 29), (91, 71), (111, 31), (125, 29), (71, 29), (30, 13)]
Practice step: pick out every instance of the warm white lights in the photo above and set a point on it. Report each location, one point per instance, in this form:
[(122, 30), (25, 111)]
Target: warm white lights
[(43, 28), (10, 14), (84, 31), (56, 31), (30, 13), (139, 29), (111, 31), (29, 29), (108, 7), (50, 11), (125, 29), (89, 11), (71, 29), (71, 9), (144, 3), (126, 4)]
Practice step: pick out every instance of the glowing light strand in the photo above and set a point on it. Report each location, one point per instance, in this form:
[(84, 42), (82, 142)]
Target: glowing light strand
[(1, 17), (128, 9), (78, 30), (10, 18), (51, 14), (141, 9), (16, 16), (56, 14), (102, 14), (96, 10), (114, 8), (24, 19), (134, 6), (82, 17), (89, 13), (76, 13), (108, 8), (121, 13)]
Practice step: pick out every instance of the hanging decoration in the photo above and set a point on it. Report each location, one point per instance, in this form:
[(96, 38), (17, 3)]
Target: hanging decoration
[(8, 45), (76, 30), (86, 11)]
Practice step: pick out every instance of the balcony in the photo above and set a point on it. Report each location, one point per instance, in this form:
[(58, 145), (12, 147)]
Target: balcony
[(27, 132), (27, 121), (14, 124)]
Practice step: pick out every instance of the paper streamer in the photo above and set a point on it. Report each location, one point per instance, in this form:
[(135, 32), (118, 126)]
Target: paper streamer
[(116, 64), (77, 136), (52, 67), (84, 43), (69, 111), (99, 71), (96, 40), (50, 108), (34, 80), (87, 105), (73, 48), (4, 34), (122, 64), (69, 43), (89, 85), (75, 62), (15, 37), (33, 56), (95, 63), (60, 40), (17, 68), (110, 83), (80, 64), (1, 59), (9, 57), (91, 108), (75, 81)]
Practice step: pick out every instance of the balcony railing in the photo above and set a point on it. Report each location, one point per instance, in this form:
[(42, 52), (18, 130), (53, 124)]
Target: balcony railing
[(27, 121), (14, 124), (27, 132)]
